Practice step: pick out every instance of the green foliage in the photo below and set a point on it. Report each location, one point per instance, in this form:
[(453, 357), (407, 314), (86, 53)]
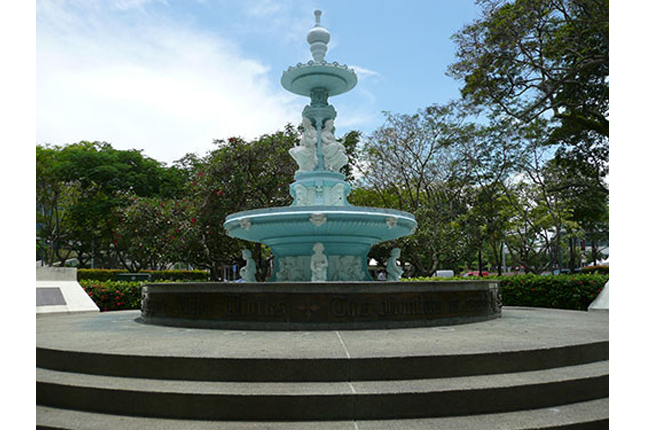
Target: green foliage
[(156, 275), (547, 61), (529, 57), (553, 291), (600, 270), (236, 176), (98, 274), (81, 187), (146, 233), (408, 165), (574, 292)]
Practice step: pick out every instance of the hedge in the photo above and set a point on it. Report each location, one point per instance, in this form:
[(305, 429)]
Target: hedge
[(549, 291), (601, 270), (156, 275), (552, 291), (113, 295)]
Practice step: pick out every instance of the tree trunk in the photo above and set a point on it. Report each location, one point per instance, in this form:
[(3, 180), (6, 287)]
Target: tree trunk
[(572, 254), (501, 260)]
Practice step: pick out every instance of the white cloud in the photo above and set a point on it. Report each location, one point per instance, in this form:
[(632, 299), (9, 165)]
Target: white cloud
[(365, 73), (149, 84)]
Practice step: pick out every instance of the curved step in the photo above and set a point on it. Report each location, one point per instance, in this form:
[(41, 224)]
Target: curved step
[(590, 415), (319, 369), (290, 401)]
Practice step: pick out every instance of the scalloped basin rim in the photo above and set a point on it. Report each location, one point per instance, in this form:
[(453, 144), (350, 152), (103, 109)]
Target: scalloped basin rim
[(302, 79), (326, 210)]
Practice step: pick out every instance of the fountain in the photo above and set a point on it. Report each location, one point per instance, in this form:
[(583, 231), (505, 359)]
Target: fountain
[(320, 214), (320, 244)]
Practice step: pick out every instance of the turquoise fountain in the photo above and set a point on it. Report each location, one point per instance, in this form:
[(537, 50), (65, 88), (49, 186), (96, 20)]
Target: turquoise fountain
[(320, 237)]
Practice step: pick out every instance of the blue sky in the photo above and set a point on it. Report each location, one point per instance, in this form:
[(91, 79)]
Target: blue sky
[(169, 76)]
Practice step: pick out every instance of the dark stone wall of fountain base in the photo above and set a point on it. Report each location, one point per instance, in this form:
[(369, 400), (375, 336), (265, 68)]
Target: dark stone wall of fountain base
[(319, 306)]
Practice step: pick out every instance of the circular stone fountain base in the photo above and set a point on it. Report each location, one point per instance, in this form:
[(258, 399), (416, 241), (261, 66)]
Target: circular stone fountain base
[(319, 306)]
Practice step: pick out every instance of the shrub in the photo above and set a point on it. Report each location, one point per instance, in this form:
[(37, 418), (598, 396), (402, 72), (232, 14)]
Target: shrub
[(178, 275), (554, 291), (156, 275), (550, 291), (601, 270), (98, 274), (113, 295)]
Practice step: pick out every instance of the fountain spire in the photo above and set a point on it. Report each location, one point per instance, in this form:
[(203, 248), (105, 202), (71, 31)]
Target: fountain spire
[(318, 38)]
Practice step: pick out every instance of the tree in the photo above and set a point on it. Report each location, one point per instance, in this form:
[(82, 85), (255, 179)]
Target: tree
[(236, 176), (81, 186), (409, 164), (489, 158), (146, 235), (547, 60), (54, 198), (529, 57)]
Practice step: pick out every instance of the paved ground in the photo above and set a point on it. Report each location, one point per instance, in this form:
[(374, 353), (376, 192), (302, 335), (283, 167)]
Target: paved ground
[(518, 329)]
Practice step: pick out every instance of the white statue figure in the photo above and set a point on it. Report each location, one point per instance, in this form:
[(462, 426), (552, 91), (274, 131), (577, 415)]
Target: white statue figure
[(350, 268), (319, 264), (248, 272), (394, 272), (333, 150), (304, 195), (290, 270), (305, 153), (334, 196), (283, 273)]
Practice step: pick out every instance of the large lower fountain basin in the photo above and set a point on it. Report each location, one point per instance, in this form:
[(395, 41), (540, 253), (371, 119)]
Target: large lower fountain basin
[(319, 306)]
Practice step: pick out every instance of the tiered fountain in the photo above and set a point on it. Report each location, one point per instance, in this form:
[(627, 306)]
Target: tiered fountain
[(320, 244), (320, 214)]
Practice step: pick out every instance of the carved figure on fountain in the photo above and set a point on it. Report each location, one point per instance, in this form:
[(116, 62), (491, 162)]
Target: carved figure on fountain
[(333, 150), (319, 264), (305, 153), (248, 272), (394, 272)]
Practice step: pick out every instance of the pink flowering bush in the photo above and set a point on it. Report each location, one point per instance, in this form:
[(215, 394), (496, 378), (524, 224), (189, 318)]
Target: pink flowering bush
[(113, 295)]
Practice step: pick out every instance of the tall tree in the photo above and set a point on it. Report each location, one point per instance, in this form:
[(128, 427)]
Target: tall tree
[(102, 180), (408, 162), (544, 59), (530, 57), (238, 175)]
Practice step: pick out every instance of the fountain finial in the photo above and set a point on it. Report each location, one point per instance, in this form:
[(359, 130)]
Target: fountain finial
[(318, 37)]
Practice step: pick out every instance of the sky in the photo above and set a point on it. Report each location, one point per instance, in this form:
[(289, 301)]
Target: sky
[(167, 76)]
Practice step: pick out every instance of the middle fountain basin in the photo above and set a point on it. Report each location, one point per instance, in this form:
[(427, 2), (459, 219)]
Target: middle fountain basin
[(347, 233)]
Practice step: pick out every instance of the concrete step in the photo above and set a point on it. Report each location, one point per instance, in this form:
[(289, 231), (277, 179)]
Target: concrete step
[(319, 369), (289, 401), (589, 415)]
